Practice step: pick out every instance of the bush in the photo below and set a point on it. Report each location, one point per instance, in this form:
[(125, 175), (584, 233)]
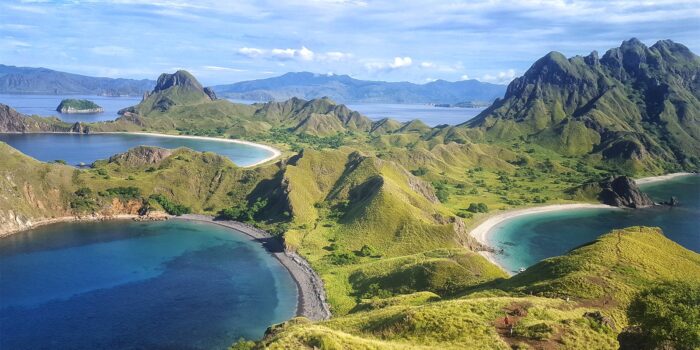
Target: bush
[(539, 331), (420, 171), (668, 315), (478, 208), (243, 212), (171, 207), (342, 258), (367, 250), (124, 192), (82, 200)]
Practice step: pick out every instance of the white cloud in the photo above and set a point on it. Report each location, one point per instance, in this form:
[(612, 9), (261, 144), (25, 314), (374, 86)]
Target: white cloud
[(251, 52), (301, 54), (400, 62), (503, 77), (427, 64), (111, 50), (224, 69), (464, 77)]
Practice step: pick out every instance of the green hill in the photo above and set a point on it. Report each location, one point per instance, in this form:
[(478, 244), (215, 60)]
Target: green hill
[(637, 105), (599, 278)]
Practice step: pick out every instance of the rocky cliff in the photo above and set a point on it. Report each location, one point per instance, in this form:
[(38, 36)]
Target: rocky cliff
[(623, 192)]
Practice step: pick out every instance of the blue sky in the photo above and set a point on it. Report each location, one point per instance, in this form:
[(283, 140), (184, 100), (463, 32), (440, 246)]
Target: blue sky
[(416, 40)]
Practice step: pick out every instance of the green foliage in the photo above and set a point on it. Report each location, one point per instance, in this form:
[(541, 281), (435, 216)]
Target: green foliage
[(169, 206), (342, 258), (441, 191), (478, 208), (243, 212), (60, 161), (420, 171), (77, 104), (668, 315), (82, 201), (123, 192), (368, 250)]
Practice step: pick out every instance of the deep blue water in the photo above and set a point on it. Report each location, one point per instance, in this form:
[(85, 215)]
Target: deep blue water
[(528, 239), (77, 148), (138, 285), (45, 105)]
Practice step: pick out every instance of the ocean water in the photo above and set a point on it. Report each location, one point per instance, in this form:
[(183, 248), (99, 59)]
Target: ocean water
[(80, 148), (404, 112), (45, 105), (528, 239), (430, 115), (138, 285)]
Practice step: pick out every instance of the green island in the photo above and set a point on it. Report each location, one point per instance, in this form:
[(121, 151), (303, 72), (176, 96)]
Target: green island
[(383, 210), (78, 106)]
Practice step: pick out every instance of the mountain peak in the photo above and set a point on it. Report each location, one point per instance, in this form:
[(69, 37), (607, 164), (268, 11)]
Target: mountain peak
[(179, 78)]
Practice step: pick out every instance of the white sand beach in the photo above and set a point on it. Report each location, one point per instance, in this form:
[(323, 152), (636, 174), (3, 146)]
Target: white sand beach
[(275, 152), (646, 180)]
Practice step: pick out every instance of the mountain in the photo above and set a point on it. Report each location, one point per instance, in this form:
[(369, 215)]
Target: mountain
[(636, 105), (27, 80), (345, 89), (179, 88)]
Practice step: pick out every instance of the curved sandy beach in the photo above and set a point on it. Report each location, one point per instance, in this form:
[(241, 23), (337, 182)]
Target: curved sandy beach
[(275, 152), (482, 231), (646, 180)]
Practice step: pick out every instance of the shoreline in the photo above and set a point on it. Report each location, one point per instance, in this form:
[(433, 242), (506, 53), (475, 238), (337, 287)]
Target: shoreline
[(652, 179), (484, 230), (275, 152), (311, 299), (311, 295)]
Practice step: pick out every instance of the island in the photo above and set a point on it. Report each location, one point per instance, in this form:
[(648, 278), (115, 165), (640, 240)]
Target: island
[(75, 106)]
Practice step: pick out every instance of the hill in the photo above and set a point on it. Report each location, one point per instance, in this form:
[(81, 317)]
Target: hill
[(599, 278), (345, 89), (27, 80), (637, 106)]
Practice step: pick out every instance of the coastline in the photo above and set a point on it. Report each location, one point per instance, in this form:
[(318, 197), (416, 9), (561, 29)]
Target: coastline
[(483, 231), (275, 152), (651, 179), (311, 300)]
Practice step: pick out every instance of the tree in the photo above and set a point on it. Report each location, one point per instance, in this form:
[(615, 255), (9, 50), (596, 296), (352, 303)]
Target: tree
[(478, 208), (668, 315)]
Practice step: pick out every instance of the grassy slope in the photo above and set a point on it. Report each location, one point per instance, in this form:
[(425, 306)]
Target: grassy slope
[(602, 275)]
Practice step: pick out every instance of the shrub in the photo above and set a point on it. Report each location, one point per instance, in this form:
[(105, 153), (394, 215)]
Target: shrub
[(342, 258), (420, 171), (124, 192), (668, 315), (243, 212), (478, 208), (171, 207), (367, 250), (539, 331)]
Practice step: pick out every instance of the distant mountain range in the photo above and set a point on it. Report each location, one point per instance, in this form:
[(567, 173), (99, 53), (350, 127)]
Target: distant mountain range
[(27, 80), (345, 89)]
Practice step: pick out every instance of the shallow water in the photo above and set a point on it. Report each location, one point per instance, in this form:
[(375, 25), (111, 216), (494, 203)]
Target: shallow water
[(45, 105), (126, 284), (81, 148), (528, 239)]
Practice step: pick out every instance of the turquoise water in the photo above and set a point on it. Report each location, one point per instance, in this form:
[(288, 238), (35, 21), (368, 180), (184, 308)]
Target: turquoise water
[(125, 284), (528, 239), (45, 105), (80, 148)]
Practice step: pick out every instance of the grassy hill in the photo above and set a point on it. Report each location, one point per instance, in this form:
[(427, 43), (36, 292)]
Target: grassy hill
[(600, 279)]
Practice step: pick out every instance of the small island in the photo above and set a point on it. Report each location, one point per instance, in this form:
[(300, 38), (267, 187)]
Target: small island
[(73, 106)]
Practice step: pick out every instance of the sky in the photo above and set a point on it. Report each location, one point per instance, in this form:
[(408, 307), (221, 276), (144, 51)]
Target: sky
[(407, 40)]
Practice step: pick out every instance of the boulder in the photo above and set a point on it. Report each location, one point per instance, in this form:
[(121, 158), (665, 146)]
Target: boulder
[(622, 191)]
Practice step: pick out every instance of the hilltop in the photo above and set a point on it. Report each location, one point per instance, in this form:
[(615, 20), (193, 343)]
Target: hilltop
[(28, 80), (345, 89)]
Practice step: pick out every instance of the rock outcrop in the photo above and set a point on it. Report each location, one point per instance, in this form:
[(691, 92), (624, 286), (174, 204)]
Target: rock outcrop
[(13, 121), (140, 156), (622, 191)]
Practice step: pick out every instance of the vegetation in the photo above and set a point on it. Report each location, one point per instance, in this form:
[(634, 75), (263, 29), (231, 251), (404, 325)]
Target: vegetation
[(169, 206), (78, 105), (667, 316)]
